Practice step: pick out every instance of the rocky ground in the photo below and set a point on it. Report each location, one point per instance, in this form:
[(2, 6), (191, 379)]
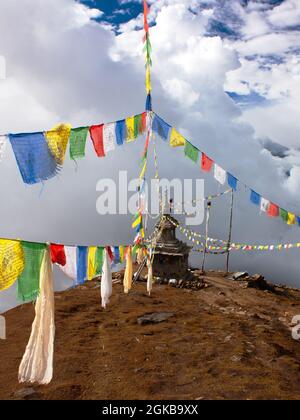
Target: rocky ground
[(206, 338)]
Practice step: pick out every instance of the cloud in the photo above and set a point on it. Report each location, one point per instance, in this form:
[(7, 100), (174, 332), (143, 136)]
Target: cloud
[(64, 66)]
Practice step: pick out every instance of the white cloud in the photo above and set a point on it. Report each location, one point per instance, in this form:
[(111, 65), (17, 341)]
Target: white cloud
[(285, 15)]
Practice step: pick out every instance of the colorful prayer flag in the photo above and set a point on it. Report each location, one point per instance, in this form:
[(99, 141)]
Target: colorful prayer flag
[(77, 142), (34, 159), (130, 129), (29, 280), (11, 263), (92, 262), (109, 137), (117, 255), (96, 132), (121, 132), (176, 139), (58, 255), (264, 205), (284, 215), (82, 254), (206, 163), (70, 268), (57, 140), (191, 152), (291, 219)]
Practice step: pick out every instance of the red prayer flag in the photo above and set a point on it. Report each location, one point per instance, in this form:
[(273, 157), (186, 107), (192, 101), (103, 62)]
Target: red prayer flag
[(146, 11), (96, 132), (206, 163), (144, 121), (110, 253), (58, 255), (273, 210)]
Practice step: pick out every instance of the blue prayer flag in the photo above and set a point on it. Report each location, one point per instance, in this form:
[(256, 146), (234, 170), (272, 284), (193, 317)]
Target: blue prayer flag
[(121, 132), (161, 127), (117, 254), (82, 259), (255, 198), (232, 181)]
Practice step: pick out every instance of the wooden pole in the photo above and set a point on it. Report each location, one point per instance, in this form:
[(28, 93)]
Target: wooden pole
[(206, 235), (230, 232)]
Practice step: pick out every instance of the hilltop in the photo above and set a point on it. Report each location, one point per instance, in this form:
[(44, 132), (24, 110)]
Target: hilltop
[(223, 341)]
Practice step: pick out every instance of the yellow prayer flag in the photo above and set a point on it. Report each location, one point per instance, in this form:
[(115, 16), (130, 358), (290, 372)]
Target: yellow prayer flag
[(137, 222), (130, 129), (148, 80), (92, 269), (121, 251), (143, 170), (176, 139), (57, 140), (291, 219), (11, 263)]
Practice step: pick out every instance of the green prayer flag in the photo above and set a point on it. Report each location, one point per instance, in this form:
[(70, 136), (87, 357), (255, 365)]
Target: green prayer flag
[(99, 260), (138, 125), (29, 281), (191, 152), (284, 215), (77, 142)]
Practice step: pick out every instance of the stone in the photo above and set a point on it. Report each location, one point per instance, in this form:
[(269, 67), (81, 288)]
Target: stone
[(154, 318), (25, 392), (173, 282), (240, 275)]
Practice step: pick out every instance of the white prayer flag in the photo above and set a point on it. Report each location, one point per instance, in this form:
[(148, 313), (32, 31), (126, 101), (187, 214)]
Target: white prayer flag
[(70, 269), (220, 174), (109, 137), (264, 205)]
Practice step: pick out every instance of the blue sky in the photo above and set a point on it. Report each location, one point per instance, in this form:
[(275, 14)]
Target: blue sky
[(114, 11)]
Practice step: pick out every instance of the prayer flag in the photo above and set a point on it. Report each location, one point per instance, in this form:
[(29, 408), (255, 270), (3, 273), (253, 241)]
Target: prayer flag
[(106, 280), (99, 260), (35, 162), (128, 271), (220, 174), (117, 255), (29, 280), (58, 255), (148, 80), (137, 222), (77, 142), (109, 137), (291, 219), (11, 263), (232, 181), (255, 198), (149, 103), (264, 205), (284, 215), (130, 129), (121, 132), (96, 132), (206, 163), (82, 253), (176, 139), (298, 220), (70, 268), (146, 11), (57, 140), (121, 251), (191, 152), (92, 262), (273, 210), (160, 127)]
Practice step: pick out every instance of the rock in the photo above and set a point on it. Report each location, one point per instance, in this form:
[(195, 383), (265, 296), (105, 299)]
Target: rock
[(154, 318), (240, 275), (173, 282), (24, 392), (258, 282)]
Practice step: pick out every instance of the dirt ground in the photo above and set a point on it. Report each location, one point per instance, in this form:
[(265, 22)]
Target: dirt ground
[(223, 342)]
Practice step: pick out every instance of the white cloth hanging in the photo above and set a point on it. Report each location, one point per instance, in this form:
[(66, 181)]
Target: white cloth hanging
[(150, 276), (37, 362), (70, 269), (220, 174), (106, 281), (109, 137), (264, 205)]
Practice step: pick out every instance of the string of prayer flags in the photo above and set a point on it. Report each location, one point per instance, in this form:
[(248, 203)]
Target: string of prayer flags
[(176, 139), (96, 133), (147, 50), (58, 255), (35, 162), (3, 141), (220, 174), (70, 268), (191, 152), (232, 181), (160, 127), (57, 140), (37, 362), (29, 280), (78, 139), (11, 263), (106, 280), (82, 254), (206, 163), (273, 210)]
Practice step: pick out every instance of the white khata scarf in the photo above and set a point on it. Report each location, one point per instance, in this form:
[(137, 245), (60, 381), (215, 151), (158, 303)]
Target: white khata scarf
[(106, 281), (37, 362)]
